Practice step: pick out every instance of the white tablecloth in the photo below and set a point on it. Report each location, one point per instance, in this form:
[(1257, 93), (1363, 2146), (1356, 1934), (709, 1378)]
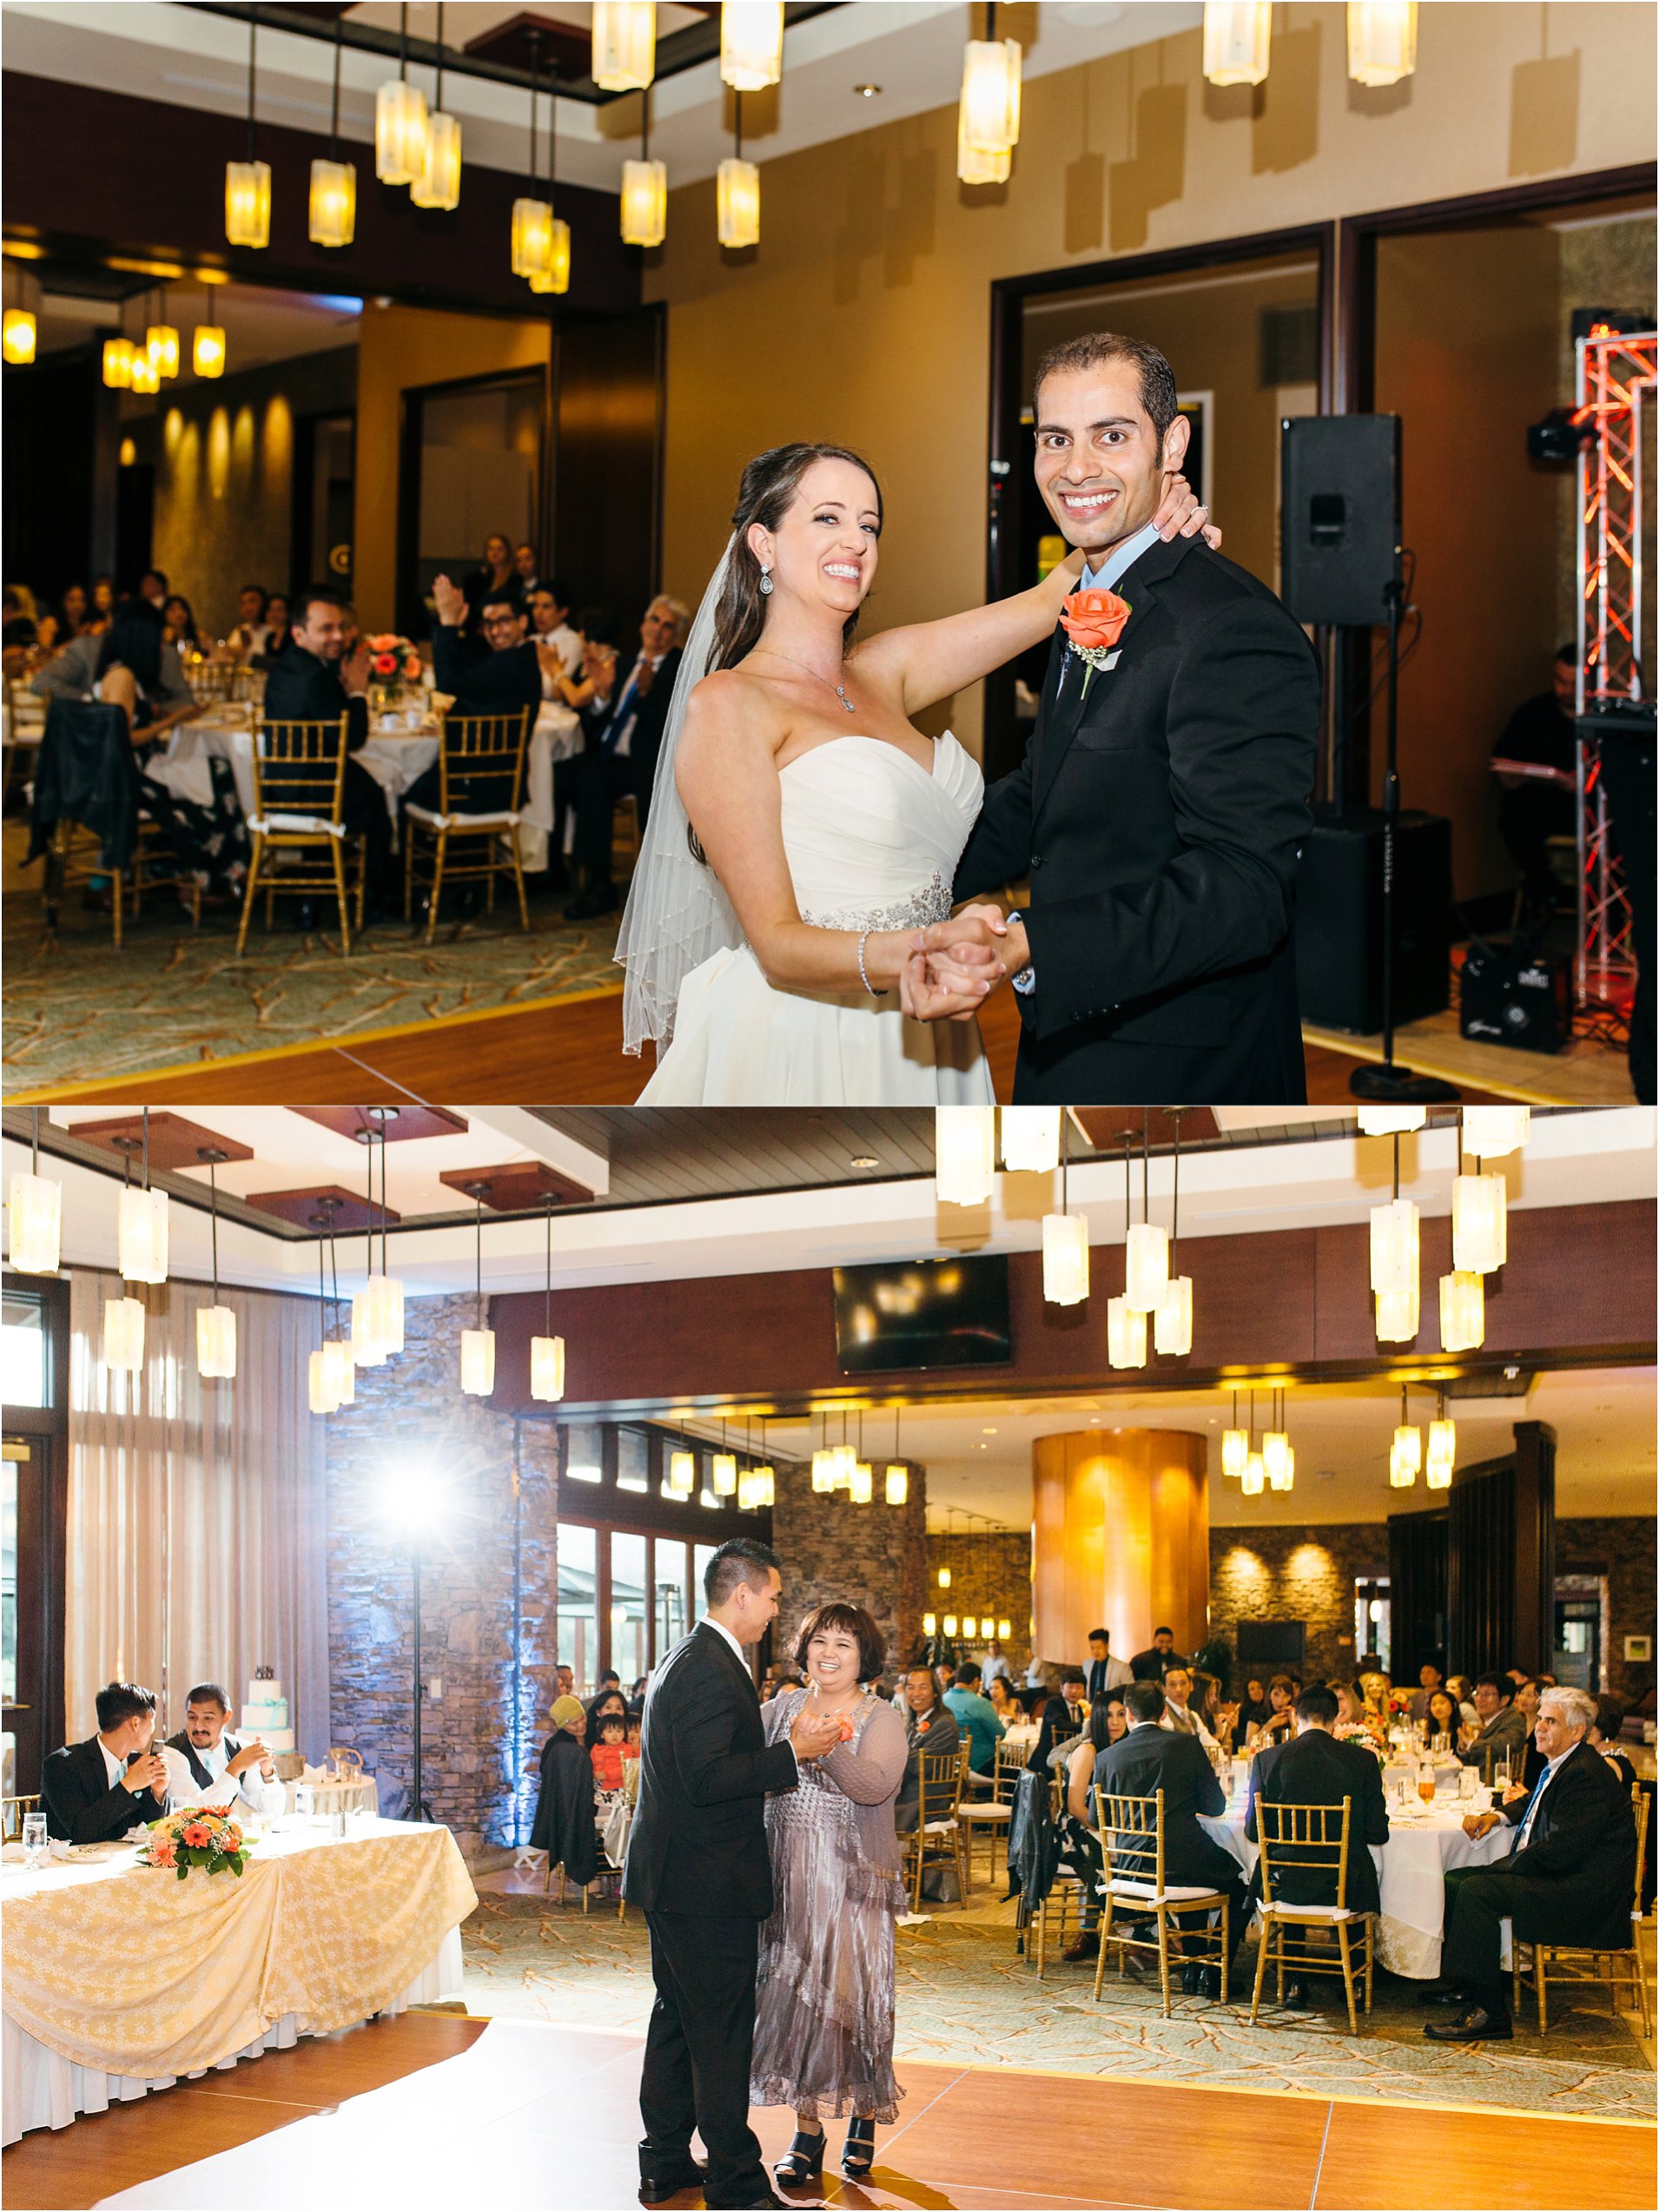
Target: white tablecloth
[(223, 733)]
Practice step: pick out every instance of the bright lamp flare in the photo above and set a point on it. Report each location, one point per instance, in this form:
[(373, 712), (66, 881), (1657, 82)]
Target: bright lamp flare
[(944, 1578), (1004, 1630), (725, 1474), (763, 1486), (1252, 1480), (123, 1334), (141, 1235), (751, 44), (547, 1368), (990, 96), (207, 350), (1408, 1446), (1171, 1327), (161, 344), (950, 1625), (1235, 1450), (1390, 1121), (438, 181), (1382, 39), (1065, 1258), (322, 1379), (399, 131), (1443, 1454), (861, 1489), (118, 363), (1285, 1478), (37, 1223), (556, 277), (964, 1154), (823, 1472), (1492, 1133), (17, 343), (1126, 1334), (332, 211), (1146, 1266), (532, 237), (970, 1625), (682, 1473), (1463, 1312), (1275, 1457), (898, 1483), (737, 203), (624, 44), (1393, 1246), (1031, 1139), (248, 204), (645, 203), (145, 378), (930, 1624), (1236, 35), (477, 1362), (1479, 1224), (1399, 1316), (216, 1341)]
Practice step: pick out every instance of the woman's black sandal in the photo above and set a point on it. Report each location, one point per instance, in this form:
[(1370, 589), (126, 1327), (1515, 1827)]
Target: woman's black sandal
[(802, 2161), (858, 2152)]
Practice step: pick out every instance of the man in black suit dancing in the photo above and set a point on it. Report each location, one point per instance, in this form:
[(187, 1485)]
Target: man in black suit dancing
[(95, 1792), (1161, 805), (698, 1867)]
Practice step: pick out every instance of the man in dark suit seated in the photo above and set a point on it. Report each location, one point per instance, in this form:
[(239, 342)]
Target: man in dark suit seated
[(931, 1728), (312, 681), (1315, 1769), (621, 753), (1147, 1759), (1152, 1666), (95, 1792), (496, 674), (1063, 1718), (1570, 1877)]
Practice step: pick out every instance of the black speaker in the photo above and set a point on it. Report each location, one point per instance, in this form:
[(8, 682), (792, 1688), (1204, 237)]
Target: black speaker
[(1339, 920), (1340, 516)]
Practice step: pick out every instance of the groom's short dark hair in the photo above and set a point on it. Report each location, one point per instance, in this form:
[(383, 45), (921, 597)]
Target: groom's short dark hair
[(1094, 348), (744, 1560)]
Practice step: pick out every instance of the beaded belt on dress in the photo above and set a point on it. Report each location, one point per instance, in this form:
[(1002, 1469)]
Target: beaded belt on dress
[(930, 903)]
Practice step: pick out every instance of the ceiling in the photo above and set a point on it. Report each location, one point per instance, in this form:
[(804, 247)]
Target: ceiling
[(261, 324)]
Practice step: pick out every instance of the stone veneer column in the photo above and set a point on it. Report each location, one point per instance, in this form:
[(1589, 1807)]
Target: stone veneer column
[(874, 1555), (1122, 1539)]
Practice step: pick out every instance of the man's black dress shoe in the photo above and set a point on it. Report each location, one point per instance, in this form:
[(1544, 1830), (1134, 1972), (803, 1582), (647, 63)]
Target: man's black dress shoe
[(1475, 2025), (597, 899), (1297, 1998), (1201, 1981), (657, 2187)]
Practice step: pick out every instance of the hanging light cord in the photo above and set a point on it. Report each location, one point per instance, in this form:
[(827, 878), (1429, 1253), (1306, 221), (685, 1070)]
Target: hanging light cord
[(1174, 1190), (34, 1147), (1396, 1166), (535, 95), (1146, 1166), (333, 116), (644, 125), (547, 1308), (213, 1195), (403, 42), (147, 1148), (438, 87), (253, 35), (738, 105), (477, 1249)]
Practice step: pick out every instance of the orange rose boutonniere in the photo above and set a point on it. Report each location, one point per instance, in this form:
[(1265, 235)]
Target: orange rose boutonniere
[(1093, 621)]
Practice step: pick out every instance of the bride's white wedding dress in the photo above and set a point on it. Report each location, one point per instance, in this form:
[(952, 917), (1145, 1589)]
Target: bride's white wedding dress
[(872, 842)]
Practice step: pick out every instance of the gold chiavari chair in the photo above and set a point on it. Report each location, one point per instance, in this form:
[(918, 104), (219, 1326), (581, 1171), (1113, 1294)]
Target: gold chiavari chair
[(480, 775), (937, 1839), (12, 1810), (1310, 1839), (989, 1816), (1132, 1849), (296, 826), (1572, 1967), (1064, 1906)]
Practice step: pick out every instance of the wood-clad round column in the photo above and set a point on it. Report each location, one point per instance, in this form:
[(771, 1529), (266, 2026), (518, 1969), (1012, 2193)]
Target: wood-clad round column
[(1122, 1520)]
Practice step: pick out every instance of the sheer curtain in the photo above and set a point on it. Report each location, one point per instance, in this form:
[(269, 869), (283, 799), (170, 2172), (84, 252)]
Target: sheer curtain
[(197, 1511)]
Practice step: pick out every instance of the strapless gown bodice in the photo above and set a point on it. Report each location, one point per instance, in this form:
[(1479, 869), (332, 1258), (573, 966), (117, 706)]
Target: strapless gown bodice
[(872, 840)]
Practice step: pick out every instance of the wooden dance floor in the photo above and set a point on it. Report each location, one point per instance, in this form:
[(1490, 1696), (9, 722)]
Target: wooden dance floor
[(431, 2108)]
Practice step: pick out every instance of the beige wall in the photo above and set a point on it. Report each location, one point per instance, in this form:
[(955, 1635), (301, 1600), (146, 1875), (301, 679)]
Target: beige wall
[(400, 348), (863, 315)]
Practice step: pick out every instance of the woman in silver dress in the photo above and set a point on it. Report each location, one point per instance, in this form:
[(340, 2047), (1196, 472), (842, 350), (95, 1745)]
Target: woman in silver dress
[(823, 2019)]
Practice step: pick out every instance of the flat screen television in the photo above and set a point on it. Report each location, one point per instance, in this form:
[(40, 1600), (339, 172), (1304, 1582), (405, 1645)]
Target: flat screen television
[(922, 1313)]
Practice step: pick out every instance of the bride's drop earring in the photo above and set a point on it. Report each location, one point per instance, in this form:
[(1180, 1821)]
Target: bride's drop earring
[(766, 581)]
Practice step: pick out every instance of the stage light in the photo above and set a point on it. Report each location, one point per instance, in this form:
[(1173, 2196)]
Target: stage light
[(1399, 1316), (1171, 1329), (248, 204), (737, 203), (1146, 1266), (413, 1501), (1065, 1258), (1479, 1224), (1031, 1139), (751, 44), (964, 1150), (17, 343), (624, 44), (1126, 1334), (1394, 1263), (1382, 41), (141, 1235), (1463, 1312), (123, 1334), (898, 1484), (1236, 35), (1493, 1132)]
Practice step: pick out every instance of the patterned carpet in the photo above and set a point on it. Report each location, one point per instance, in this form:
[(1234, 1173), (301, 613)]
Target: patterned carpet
[(965, 1998), (76, 1007)]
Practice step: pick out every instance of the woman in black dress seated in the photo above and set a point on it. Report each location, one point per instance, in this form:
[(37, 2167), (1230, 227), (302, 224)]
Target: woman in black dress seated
[(564, 1826)]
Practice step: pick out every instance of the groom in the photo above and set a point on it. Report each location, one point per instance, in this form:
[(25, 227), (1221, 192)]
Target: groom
[(698, 1866), (1162, 802)]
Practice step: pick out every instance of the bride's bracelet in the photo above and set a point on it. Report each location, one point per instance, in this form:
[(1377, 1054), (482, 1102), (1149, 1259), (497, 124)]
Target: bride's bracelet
[(863, 973)]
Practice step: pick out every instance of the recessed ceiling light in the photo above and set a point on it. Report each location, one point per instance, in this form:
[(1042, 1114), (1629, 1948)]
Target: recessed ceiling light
[(988, 1432), (868, 91), (865, 1160)]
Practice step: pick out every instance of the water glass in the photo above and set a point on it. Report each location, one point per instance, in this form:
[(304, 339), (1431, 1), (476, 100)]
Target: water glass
[(1468, 1782), (302, 1801), (34, 1837)]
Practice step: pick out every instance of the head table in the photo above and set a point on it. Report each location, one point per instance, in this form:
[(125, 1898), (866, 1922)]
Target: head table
[(120, 1979)]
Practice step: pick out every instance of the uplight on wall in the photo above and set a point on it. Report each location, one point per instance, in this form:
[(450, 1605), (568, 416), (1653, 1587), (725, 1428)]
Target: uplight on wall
[(1236, 34), (333, 212), (118, 354), (624, 44), (1382, 39), (737, 203), (964, 1154), (751, 44), (248, 204), (1463, 1312), (207, 350), (645, 203), (17, 342)]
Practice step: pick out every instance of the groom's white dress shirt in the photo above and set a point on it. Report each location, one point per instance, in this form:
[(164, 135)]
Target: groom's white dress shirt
[(267, 1799)]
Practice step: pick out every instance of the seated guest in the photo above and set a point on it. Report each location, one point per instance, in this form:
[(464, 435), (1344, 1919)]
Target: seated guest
[(564, 1824), (178, 624), (1527, 1698), (622, 749), (1355, 1717), (611, 1753), (1459, 1687), (931, 1728), (70, 620), (1442, 1718), (1177, 1709), (494, 581), (1314, 1768), (1430, 1679), (95, 1792), (976, 1718), (1254, 1707), (102, 609), (1080, 1847), (208, 1766), (1009, 1712), (1152, 1665), (565, 1677), (312, 681), (1567, 1879), (1499, 1725), (1151, 1757), (278, 621), (71, 673), (1107, 1724), (1064, 1719), (19, 624), (1105, 1673), (1280, 1724), (1534, 808), (250, 633), (153, 585), (1604, 1737), (527, 568), (496, 675), (548, 606)]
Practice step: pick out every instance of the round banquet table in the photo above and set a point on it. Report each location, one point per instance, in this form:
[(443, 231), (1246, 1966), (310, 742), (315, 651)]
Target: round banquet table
[(329, 1798), (121, 1979)]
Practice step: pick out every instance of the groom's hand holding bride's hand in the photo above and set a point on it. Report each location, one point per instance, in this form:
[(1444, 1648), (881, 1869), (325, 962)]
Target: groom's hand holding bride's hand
[(815, 1733), (957, 964)]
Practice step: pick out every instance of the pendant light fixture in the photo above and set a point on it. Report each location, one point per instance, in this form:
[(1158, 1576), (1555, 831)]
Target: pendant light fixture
[(1495, 1132), (1479, 1222), (898, 1475), (532, 218), (1390, 1120), (36, 1206), (332, 213), (377, 1312), (547, 1350), (216, 1325), (624, 44), (341, 1368), (1065, 1247), (1172, 1332), (1252, 1475), (162, 342), (1405, 1453), (823, 1464), (682, 1471), (725, 1468), (145, 378), (738, 192), (1031, 1139), (930, 1624), (644, 189), (1126, 1326), (556, 277), (399, 118), (123, 1334), (247, 184), (964, 1154), (141, 1223), (1236, 34), (1278, 1459), (1394, 1260), (987, 121), (478, 1343), (1463, 1310), (323, 1373), (118, 354), (751, 44), (1146, 1259), (1382, 39), (437, 183), (1235, 1446), (758, 1489), (1442, 1458), (20, 329), (208, 350)]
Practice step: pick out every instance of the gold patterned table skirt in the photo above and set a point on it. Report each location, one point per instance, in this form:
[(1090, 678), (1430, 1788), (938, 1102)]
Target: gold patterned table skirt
[(129, 1970)]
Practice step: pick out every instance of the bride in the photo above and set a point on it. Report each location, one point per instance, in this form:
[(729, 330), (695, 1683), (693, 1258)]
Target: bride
[(804, 833)]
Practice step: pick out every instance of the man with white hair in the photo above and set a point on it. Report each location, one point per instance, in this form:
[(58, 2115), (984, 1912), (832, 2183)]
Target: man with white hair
[(622, 749), (1567, 1879)]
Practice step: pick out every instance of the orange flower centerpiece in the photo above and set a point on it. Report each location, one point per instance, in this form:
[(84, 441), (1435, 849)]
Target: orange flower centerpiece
[(393, 663), (199, 1835), (1093, 621)]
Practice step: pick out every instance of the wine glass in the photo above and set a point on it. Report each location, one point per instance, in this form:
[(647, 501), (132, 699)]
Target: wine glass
[(33, 1838)]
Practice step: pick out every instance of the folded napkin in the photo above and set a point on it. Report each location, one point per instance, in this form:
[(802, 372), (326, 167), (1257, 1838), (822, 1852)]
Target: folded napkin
[(309, 1773)]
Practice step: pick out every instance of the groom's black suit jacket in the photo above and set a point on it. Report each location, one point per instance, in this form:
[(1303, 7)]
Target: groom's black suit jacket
[(1160, 819), (698, 1841)]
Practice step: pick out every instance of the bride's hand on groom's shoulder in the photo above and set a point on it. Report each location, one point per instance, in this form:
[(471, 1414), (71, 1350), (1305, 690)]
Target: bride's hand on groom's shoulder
[(1183, 515)]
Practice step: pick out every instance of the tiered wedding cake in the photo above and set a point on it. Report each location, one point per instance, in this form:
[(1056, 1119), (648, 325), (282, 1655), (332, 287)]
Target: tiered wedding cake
[(265, 1713)]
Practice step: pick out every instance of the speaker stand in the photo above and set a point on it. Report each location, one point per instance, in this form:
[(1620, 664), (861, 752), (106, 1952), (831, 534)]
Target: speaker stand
[(1389, 1080)]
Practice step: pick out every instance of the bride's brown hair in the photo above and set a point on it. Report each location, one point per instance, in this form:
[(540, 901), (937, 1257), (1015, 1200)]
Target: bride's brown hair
[(769, 482)]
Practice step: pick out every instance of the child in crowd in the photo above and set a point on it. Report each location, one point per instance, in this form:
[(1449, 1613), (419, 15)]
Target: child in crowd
[(611, 1751)]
